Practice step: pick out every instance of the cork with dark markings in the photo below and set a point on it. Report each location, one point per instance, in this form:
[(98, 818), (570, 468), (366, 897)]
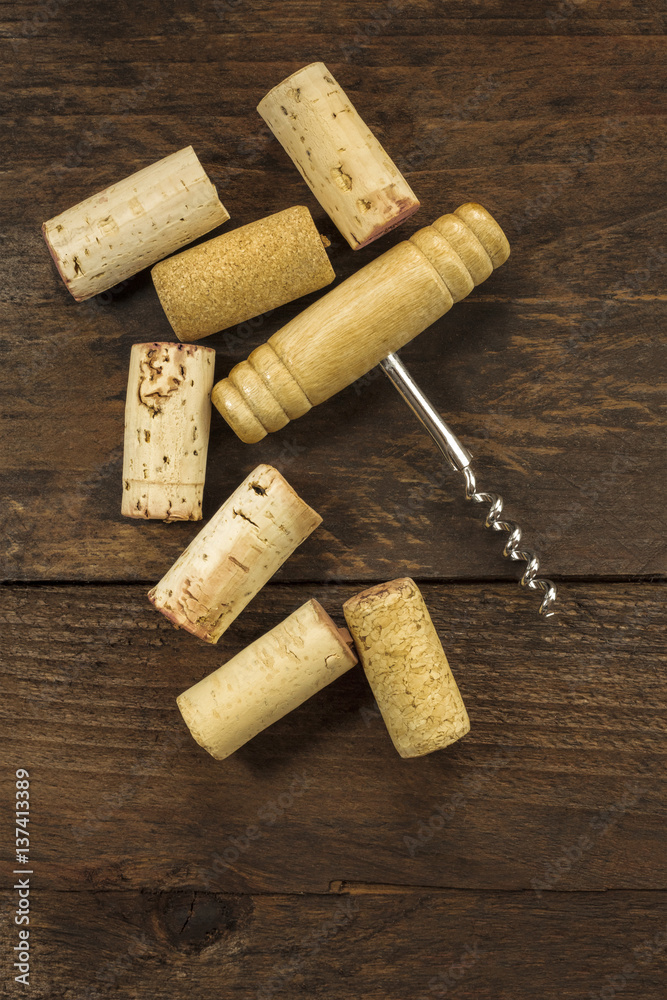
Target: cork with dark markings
[(234, 555), (167, 423), (340, 159)]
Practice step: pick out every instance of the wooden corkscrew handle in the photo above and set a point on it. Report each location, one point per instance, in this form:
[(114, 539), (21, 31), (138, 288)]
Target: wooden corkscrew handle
[(370, 315)]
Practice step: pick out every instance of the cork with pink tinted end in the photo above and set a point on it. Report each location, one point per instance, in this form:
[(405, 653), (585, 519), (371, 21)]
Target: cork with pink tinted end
[(234, 555), (352, 176), (133, 223)]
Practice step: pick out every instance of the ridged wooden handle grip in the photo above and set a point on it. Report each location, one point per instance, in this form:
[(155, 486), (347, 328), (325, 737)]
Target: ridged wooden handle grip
[(350, 329)]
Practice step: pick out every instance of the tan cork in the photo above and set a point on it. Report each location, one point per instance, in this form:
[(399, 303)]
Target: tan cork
[(406, 667), (242, 274), (234, 555), (265, 681), (349, 172)]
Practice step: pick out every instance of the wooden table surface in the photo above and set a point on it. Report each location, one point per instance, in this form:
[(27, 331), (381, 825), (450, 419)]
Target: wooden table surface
[(528, 860)]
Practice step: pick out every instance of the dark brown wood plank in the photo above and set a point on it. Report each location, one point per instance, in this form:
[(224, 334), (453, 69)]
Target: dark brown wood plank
[(384, 945), (344, 22), (525, 861), (548, 372), (566, 426), (559, 786)]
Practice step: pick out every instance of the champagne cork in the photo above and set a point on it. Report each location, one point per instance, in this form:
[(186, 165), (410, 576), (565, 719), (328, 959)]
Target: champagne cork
[(265, 681), (341, 161), (242, 274), (132, 224), (234, 555), (167, 422), (406, 667)]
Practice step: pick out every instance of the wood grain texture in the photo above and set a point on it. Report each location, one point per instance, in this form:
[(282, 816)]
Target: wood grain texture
[(344, 21), (338, 339), (381, 945), (567, 430), (566, 742), (549, 375), (313, 861)]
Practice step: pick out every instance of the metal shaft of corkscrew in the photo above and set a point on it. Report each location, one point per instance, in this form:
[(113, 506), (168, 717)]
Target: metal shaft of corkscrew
[(460, 460)]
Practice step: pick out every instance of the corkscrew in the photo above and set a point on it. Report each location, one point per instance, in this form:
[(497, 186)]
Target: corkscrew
[(460, 460), (362, 323)]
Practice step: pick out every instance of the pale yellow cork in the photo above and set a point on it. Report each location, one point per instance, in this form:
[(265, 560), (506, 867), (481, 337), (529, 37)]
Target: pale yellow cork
[(265, 681), (167, 424), (133, 223), (242, 274), (407, 668)]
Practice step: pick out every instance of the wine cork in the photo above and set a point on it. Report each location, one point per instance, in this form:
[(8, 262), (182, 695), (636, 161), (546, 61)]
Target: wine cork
[(344, 165), (133, 223), (406, 667), (167, 422), (234, 555), (242, 274), (265, 681)]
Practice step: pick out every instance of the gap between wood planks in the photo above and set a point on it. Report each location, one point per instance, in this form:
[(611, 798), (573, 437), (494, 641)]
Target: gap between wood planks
[(341, 887)]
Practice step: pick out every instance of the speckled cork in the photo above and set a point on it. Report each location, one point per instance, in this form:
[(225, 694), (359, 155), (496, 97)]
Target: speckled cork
[(242, 274), (349, 172), (133, 223), (406, 667)]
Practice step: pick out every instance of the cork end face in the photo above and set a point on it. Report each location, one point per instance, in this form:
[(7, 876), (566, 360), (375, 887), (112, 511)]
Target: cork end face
[(319, 66), (452, 733), (46, 233), (265, 477), (160, 279), (188, 350), (220, 213), (402, 210), (189, 718), (342, 636), (155, 503), (402, 585), (167, 517), (180, 620)]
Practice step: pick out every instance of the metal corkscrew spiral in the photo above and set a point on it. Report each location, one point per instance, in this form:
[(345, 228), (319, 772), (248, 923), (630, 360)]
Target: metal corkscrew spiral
[(530, 578), (460, 459)]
